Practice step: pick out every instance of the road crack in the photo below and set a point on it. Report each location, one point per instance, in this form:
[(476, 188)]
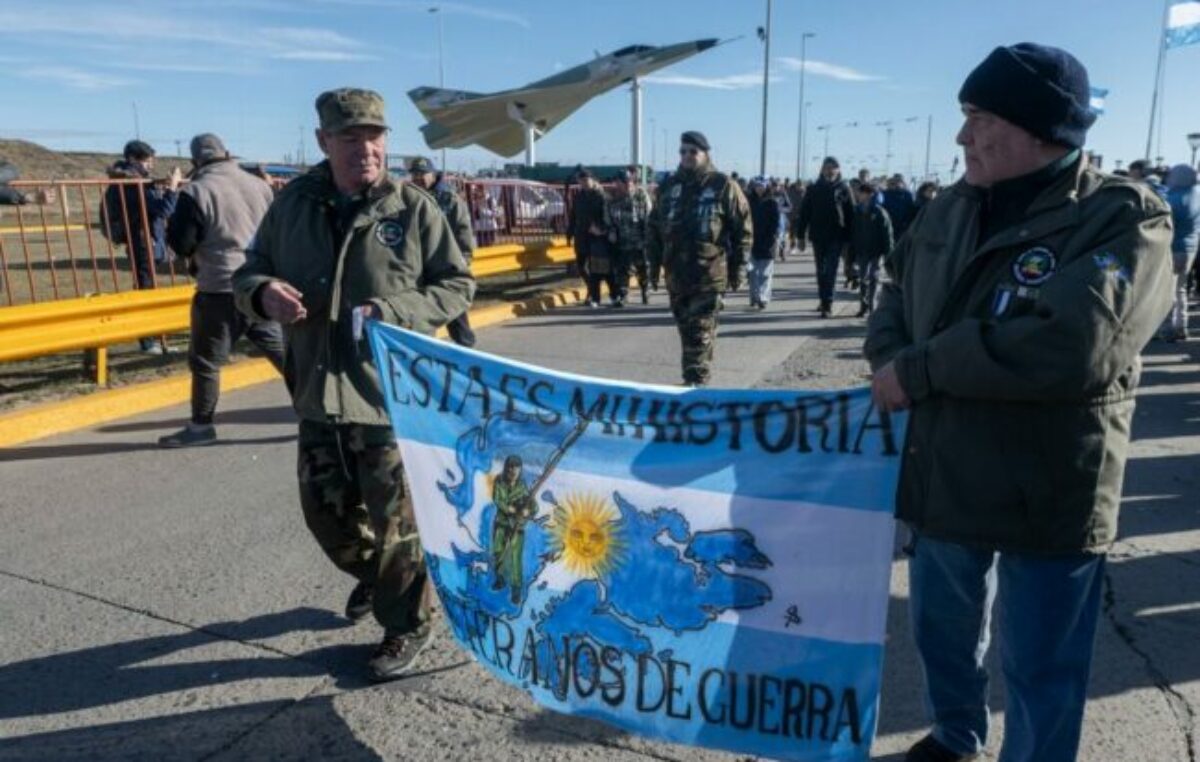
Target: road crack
[(1181, 708)]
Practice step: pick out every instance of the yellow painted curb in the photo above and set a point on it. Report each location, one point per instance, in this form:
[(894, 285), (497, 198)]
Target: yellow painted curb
[(111, 404)]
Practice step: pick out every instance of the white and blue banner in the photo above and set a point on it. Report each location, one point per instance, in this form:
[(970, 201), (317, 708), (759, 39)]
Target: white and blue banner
[(709, 567), (1183, 24), (1096, 100)]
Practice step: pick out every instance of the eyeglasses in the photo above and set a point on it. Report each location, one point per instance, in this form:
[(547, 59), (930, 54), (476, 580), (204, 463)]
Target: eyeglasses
[(689, 151)]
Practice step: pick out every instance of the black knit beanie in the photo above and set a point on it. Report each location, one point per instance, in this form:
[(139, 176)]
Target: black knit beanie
[(1041, 89)]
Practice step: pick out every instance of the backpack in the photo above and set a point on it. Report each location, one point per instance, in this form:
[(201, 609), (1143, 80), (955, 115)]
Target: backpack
[(112, 221)]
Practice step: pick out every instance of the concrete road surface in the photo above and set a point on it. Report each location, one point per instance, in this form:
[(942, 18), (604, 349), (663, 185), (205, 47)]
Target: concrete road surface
[(171, 605)]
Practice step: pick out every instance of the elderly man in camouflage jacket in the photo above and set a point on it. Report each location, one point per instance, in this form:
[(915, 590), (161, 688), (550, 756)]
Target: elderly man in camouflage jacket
[(340, 240), (698, 210), (1019, 303)]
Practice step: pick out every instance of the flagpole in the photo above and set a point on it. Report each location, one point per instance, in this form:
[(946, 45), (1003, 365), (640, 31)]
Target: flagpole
[(1158, 75)]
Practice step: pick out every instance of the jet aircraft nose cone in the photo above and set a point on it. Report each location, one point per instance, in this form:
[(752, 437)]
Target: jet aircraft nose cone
[(706, 44)]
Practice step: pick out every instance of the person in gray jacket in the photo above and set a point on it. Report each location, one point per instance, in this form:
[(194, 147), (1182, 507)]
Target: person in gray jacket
[(216, 215)]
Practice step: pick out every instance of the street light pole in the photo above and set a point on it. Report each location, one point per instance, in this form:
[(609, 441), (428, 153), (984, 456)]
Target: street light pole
[(1194, 142), (762, 151), (441, 63), (928, 142), (887, 151), (653, 146), (800, 127), (825, 128), (804, 138)]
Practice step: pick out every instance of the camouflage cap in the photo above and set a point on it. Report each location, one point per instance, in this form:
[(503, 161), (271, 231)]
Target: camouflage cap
[(349, 107), (421, 165)]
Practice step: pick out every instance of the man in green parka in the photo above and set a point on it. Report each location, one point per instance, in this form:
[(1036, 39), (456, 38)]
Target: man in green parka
[(1019, 302)]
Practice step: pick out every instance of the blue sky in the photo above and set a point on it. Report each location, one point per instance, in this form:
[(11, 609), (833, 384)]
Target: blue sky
[(71, 70)]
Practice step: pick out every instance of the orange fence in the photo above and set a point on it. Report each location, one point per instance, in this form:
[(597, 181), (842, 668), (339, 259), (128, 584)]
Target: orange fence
[(63, 248)]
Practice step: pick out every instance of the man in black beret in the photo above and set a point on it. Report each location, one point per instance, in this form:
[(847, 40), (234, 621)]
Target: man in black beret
[(1019, 301), (698, 209)]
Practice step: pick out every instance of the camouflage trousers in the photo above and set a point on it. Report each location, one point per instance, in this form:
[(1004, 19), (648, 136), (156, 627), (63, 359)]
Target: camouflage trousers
[(696, 318), (357, 505)]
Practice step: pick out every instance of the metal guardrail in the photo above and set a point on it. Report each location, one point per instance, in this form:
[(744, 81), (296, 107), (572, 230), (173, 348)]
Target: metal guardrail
[(67, 287), (63, 249), (99, 321)]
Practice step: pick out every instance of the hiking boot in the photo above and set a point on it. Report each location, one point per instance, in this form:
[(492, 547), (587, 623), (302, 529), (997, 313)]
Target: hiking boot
[(929, 749), (396, 654), (192, 435), (361, 602)]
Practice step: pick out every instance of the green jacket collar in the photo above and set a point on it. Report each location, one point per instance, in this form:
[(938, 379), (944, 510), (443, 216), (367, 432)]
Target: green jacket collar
[(381, 199)]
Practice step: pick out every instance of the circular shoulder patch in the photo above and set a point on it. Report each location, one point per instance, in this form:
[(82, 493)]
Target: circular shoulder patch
[(1035, 266), (389, 233)]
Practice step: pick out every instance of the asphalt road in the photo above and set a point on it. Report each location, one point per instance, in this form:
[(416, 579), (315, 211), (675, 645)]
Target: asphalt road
[(171, 605)]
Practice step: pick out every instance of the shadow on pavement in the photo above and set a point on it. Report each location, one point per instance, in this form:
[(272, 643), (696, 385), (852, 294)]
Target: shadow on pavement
[(130, 670), (279, 414), (310, 729), (51, 452), (547, 727)]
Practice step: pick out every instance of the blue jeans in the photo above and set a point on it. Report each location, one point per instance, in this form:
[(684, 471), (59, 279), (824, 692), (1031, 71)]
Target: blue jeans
[(1048, 612), (759, 275)]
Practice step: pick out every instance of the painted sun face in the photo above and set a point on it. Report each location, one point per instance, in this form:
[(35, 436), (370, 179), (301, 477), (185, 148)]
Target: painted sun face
[(586, 535)]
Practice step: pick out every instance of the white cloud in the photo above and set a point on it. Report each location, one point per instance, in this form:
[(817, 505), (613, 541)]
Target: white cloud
[(727, 82), (463, 9), (451, 8), (825, 69), (323, 55), (180, 67), (76, 78), (147, 28), (307, 36)]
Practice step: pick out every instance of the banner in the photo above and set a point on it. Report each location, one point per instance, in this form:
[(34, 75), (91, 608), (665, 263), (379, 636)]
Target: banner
[(703, 566)]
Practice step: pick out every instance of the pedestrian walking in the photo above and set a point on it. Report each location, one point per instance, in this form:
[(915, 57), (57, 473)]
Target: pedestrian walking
[(697, 210), (825, 218), (871, 238), (765, 216), (589, 235), (628, 214), (341, 244), (215, 216)]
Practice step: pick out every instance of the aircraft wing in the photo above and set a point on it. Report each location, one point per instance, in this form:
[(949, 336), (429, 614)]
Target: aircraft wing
[(457, 119)]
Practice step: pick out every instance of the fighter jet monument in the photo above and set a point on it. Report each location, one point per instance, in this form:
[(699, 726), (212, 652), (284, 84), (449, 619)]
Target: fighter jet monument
[(507, 121)]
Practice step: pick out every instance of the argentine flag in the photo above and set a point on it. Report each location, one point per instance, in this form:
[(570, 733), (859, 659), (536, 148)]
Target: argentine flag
[(1183, 24), (1096, 100), (705, 566)]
